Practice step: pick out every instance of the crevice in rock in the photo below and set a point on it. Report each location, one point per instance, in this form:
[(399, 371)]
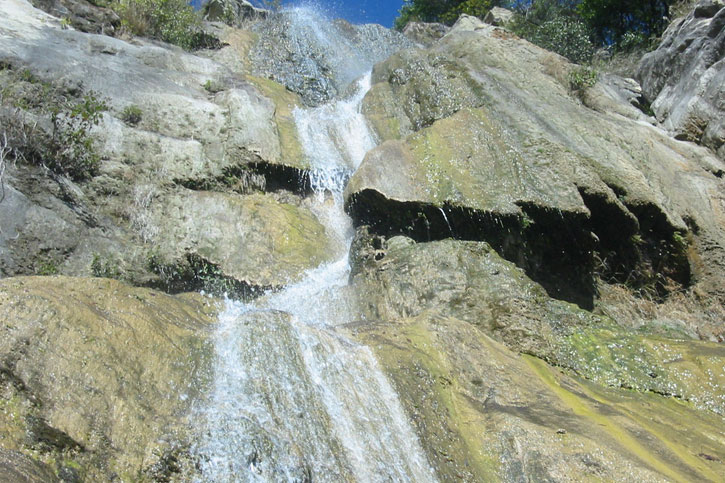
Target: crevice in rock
[(239, 179), (644, 105), (281, 177), (551, 246), (45, 436), (636, 245), (255, 177), (194, 273)]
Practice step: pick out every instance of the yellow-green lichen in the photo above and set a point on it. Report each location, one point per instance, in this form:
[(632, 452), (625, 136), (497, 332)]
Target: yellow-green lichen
[(660, 432), (285, 103)]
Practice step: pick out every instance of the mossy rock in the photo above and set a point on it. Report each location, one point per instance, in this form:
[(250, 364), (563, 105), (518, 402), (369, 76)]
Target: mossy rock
[(99, 378), (484, 413)]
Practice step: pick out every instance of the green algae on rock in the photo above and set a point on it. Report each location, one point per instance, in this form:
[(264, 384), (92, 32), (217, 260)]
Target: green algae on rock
[(508, 138), (101, 376), (254, 239), (469, 281), (484, 413)]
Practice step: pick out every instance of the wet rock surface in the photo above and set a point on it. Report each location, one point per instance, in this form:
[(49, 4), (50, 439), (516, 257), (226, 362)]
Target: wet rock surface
[(486, 414), (683, 78), (475, 141), (201, 132), (470, 282), (300, 56), (537, 268), (98, 378), (16, 466), (448, 319)]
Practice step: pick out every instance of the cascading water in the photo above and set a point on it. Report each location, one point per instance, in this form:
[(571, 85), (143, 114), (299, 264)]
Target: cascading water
[(315, 57), (293, 399)]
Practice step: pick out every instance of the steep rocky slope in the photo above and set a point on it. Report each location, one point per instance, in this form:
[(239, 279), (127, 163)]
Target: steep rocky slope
[(537, 266), (98, 378), (203, 127), (684, 78), (489, 142)]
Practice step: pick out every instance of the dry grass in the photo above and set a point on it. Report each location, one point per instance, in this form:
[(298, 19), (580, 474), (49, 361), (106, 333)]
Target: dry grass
[(681, 8), (689, 313)]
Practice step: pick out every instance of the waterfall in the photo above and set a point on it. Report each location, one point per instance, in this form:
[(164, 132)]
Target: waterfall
[(316, 57), (293, 399)]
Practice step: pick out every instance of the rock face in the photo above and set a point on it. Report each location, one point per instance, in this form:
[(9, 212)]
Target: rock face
[(82, 15), (468, 281), (503, 226), (446, 319), (498, 16), (485, 414), (684, 78), (205, 134), (485, 140), (232, 12), (300, 56), (254, 239), (423, 33), (98, 378)]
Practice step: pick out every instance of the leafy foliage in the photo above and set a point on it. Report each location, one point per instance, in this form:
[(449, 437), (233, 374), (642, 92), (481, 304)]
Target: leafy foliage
[(105, 267), (477, 8), (71, 149), (173, 21), (131, 115), (572, 28), (582, 78), (444, 11), (66, 146), (567, 36), (611, 19)]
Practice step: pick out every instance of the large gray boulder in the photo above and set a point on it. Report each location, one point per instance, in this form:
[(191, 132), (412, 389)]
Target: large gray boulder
[(485, 139), (425, 34), (498, 16), (205, 136), (232, 12), (99, 379), (684, 78)]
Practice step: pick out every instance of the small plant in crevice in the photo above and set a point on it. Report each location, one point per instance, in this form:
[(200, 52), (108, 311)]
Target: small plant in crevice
[(213, 86), (50, 126), (131, 115), (194, 273), (47, 267), (71, 148), (105, 267), (582, 78)]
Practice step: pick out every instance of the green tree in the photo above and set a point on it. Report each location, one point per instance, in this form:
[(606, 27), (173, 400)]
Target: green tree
[(444, 11), (555, 25), (612, 19)]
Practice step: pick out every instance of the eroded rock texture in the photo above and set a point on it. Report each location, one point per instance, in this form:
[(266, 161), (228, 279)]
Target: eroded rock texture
[(485, 140), (684, 78), (205, 135), (98, 378)]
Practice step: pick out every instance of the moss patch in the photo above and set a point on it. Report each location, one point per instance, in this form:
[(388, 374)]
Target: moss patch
[(285, 103)]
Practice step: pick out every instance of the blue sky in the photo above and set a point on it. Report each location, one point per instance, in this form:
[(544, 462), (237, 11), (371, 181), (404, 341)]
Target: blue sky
[(356, 11), (363, 11)]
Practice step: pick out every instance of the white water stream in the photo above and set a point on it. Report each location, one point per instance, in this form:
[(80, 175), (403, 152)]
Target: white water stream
[(294, 400)]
